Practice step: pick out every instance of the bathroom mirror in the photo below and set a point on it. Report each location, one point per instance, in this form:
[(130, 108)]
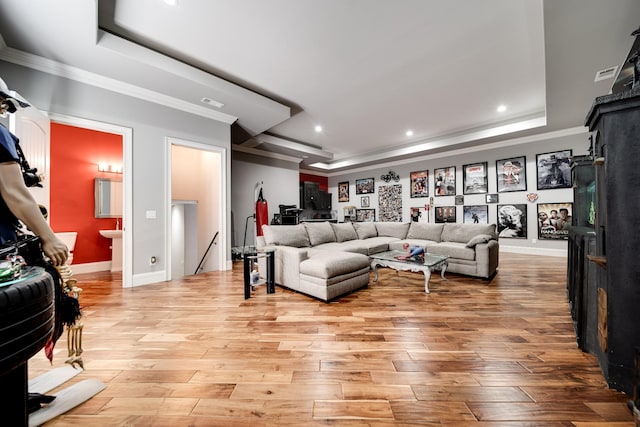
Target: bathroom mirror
[(108, 198)]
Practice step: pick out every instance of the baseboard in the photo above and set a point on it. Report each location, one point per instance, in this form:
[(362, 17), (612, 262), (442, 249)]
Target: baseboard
[(148, 278), (562, 253), (90, 267)]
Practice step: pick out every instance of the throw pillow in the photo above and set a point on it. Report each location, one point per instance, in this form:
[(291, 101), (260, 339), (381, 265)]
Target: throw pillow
[(365, 229), (344, 232), (480, 238), (319, 232), (286, 235)]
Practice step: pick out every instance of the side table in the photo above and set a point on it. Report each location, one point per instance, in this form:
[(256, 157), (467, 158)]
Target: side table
[(250, 261)]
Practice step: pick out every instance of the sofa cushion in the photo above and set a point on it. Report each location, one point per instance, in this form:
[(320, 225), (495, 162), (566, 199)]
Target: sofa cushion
[(365, 229), (319, 232), (344, 232), (378, 244), (425, 244), (453, 250), (286, 235), (480, 238), (355, 246), (462, 233), (425, 231), (330, 264), (392, 229)]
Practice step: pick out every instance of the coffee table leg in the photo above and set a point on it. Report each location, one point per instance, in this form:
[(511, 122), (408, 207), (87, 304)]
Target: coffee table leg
[(427, 276), (444, 268), (374, 267)]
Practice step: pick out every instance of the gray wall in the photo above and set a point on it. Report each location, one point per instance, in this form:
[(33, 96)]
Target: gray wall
[(280, 186), (577, 142), (151, 124)]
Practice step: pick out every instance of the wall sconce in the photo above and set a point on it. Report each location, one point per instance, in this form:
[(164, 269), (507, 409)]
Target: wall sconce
[(106, 167)]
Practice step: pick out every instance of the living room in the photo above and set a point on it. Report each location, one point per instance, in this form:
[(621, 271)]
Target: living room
[(156, 114)]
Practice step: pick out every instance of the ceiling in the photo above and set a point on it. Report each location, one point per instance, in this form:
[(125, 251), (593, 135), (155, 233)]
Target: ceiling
[(365, 71)]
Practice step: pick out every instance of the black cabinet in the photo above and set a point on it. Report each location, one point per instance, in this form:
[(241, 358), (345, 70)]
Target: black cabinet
[(614, 121)]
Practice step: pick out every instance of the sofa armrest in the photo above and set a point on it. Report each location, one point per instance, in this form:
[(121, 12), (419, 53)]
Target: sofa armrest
[(487, 257), (287, 265)]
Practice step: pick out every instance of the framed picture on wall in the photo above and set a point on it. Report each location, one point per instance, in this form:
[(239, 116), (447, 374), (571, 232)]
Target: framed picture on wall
[(511, 174), (365, 215), (554, 220), (445, 181), (478, 214), (491, 198), (475, 178), (416, 214), (419, 184), (365, 186), (554, 170), (364, 201), (512, 221), (343, 191), (445, 214)]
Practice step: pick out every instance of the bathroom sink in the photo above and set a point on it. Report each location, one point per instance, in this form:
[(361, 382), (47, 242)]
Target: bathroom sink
[(110, 234), (116, 247)]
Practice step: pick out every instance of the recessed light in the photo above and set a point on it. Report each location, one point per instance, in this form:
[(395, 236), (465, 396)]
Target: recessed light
[(318, 128), (501, 108), (409, 133), (171, 2)]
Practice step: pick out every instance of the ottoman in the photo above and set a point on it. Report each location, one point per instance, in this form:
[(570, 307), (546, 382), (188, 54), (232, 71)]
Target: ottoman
[(327, 275)]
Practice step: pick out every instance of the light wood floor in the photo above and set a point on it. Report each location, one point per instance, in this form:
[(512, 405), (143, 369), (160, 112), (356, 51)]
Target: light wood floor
[(193, 352)]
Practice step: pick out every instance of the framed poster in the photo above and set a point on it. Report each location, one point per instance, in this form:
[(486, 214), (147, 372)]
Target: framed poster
[(554, 169), (365, 215), (419, 184), (459, 200), (511, 174), (365, 186), (491, 198), (512, 221), (475, 178), (445, 181), (554, 220), (364, 201), (445, 214), (416, 213), (343, 191), (478, 214)]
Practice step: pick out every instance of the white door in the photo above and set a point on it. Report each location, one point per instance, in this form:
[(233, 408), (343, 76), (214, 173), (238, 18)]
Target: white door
[(34, 130)]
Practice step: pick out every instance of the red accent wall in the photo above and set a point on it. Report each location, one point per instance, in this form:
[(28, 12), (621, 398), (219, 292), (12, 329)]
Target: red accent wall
[(75, 154), (323, 181)]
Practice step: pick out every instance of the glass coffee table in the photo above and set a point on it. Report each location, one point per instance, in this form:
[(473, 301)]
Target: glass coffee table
[(426, 264)]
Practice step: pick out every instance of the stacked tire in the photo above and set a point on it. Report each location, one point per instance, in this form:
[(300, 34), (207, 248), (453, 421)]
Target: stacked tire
[(27, 310)]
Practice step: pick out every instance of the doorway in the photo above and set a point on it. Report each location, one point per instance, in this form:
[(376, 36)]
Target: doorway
[(198, 186), (126, 135)]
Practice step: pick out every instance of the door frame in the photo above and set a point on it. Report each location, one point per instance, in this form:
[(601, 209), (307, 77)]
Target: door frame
[(222, 222), (127, 155)]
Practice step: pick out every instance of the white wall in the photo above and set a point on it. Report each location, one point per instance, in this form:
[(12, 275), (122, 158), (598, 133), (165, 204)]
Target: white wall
[(151, 124), (575, 139), (280, 184)]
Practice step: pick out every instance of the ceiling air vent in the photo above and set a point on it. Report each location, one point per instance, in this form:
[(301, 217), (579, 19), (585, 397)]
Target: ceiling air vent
[(213, 102), (605, 74)]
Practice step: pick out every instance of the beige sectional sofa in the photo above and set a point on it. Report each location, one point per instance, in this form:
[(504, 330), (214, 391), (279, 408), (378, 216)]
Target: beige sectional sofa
[(327, 260)]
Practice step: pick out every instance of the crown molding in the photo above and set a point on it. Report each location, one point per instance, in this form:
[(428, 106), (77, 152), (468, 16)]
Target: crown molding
[(483, 147), (82, 76), (425, 145)]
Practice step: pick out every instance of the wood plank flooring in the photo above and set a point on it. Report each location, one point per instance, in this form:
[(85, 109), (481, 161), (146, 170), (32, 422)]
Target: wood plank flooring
[(193, 352)]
